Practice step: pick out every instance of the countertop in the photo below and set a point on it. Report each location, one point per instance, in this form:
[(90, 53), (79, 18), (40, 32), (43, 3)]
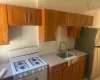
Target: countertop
[(7, 66), (52, 59)]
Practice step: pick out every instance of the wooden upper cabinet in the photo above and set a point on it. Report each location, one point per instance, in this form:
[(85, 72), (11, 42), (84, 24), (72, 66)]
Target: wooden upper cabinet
[(3, 25), (89, 20), (59, 18), (71, 31), (77, 31), (78, 20), (84, 20), (19, 16), (70, 19), (33, 16), (47, 30), (16, 15)]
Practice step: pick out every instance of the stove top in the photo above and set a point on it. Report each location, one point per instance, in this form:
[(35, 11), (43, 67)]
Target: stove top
[(23, 64), (26, 64)]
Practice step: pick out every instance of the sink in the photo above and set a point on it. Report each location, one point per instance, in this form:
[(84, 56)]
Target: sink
[(64, 55)]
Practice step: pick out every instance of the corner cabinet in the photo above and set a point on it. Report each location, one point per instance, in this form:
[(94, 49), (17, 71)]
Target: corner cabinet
[(64, 72), (74, 29), (3, 25), (19, 16), (47, 30)]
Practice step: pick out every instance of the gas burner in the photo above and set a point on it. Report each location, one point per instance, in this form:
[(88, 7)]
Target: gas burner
[(20, 65), (33, 59), (37, 63)]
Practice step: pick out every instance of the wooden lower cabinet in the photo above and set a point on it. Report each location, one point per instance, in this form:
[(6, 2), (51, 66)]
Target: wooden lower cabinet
[(57, 75), (74, 72), (67, 73), (71, 73), (82, 68)]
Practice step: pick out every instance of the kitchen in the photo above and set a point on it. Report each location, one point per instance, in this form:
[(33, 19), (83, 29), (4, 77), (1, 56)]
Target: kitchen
[(25, 31)]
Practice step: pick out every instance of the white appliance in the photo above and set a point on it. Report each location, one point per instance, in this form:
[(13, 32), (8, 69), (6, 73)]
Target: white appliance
[(27, 65)]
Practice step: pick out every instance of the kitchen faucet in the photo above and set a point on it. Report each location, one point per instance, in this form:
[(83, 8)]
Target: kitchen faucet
[(60, 50)]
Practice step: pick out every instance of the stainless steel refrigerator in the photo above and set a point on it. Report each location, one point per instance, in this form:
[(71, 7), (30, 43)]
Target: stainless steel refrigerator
[(89, 42)]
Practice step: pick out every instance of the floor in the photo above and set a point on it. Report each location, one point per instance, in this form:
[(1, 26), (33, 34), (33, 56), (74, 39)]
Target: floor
[(98, 78)]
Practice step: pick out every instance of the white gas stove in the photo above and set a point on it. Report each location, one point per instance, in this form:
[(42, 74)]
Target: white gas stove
[(27, 65)]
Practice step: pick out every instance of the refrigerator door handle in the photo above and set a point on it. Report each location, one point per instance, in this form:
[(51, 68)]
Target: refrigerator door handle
[(96, 46)]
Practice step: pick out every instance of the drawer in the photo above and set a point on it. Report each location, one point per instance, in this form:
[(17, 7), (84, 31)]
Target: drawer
[(57, 68), (56, 75), (65, 65)]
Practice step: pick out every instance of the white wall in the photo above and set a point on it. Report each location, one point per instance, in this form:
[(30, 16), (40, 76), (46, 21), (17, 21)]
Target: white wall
[(26, 3), (64, 5), (28, 35)]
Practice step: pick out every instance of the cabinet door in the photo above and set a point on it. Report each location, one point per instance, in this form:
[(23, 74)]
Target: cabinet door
[(70, 19), (34, 16), (16, 15), (67, 73), (78, 20), (57, 75), (82, 67), (59, 18), (3, 25), (49, 25), (78, 25), (77, 31), (71, 31), (84, 20), (75, 72), (89, 20)]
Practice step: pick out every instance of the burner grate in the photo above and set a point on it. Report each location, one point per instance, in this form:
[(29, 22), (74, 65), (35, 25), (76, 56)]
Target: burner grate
[(35, 61), (20, 65)]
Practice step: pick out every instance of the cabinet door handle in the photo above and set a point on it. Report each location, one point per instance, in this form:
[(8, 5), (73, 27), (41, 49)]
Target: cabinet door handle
[(28, 18), (25, 18)]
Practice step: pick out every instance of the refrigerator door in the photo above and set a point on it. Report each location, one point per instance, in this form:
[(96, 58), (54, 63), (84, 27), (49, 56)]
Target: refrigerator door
[(85, 43), (96, 59), (96, 64)]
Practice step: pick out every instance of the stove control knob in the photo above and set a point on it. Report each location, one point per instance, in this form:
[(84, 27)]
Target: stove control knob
[(33, 72), (40, 69), (20, 76), (25, 74)]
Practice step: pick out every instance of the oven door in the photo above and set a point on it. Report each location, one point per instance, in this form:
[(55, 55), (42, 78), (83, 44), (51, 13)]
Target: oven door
[(40, 76), (32, 77)]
